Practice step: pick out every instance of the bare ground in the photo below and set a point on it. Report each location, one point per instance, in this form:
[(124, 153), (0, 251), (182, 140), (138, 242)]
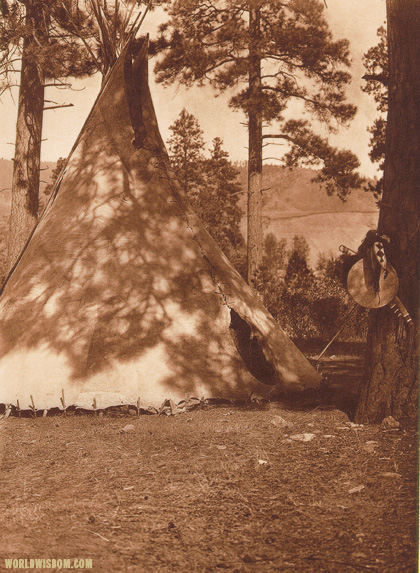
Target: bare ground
[(217, 488)]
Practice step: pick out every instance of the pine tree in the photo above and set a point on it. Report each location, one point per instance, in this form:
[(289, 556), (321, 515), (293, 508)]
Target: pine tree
[(219, 199), (300, 246), (274, 256), (329, 266), (54, 40), (186, 146), (376, 65), (298, 274), (283, 53), (211, 184), (34, 32), (391, 368)]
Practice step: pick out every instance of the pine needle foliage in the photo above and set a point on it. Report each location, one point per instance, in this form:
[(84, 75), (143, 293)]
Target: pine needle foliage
[(210, 183), (301, 65), (48, 42), (376, 84)]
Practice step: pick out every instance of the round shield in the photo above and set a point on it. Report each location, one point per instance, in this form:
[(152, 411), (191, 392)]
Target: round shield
[(362, 291)]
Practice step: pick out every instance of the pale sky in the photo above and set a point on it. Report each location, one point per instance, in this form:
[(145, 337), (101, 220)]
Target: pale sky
[(356, 20)]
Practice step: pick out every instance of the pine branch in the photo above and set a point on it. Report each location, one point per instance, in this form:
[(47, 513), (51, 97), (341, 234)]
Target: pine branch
[(59, 85), (382, 78), (86, 44), (59, 106), (278, 74), (218, 65), (272, 143), (8, 87), (277, 136)]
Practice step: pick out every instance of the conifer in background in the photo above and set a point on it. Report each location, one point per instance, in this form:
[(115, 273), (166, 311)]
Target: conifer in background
[(210, 183), (268, 54), (376, 78), (35, 35), (43, 43)]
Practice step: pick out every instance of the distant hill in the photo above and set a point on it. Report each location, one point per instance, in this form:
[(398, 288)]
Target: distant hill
[(294, 205)]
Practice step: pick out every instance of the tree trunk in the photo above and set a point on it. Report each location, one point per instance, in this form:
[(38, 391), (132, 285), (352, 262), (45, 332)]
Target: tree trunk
[(254, 213), (25, 185), (391, 366)]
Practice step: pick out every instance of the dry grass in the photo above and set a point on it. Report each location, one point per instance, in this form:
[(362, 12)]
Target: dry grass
[(212, 489)]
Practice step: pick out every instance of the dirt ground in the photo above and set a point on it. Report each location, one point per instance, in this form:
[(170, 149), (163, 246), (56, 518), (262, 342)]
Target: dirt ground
[(229, 487)]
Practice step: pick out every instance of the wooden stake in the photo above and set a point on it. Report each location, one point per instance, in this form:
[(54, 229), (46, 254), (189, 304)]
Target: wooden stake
[(138, 406), (94, 405), (33, 406), (63, 401), (338, 332), (18, 408)]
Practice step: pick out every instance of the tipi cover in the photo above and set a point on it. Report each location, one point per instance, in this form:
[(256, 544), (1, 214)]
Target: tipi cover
[(120, 292)]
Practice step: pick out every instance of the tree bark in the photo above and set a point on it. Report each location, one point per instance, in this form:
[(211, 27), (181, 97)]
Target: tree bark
[(254, 212), (25, 185), (391, 365)]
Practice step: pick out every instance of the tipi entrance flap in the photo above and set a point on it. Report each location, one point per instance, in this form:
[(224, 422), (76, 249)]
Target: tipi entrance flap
[(120, 261)]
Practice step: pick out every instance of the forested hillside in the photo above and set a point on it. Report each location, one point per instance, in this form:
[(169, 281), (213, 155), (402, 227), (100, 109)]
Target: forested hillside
[(293, 205)]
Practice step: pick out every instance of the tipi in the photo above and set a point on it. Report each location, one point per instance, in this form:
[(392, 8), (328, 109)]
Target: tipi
[(120, 293)]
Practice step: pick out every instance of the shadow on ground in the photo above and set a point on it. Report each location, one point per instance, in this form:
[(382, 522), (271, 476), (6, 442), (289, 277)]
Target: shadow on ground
[(342, 378)]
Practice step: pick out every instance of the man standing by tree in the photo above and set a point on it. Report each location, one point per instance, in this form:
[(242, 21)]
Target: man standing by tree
[(391, 383)]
